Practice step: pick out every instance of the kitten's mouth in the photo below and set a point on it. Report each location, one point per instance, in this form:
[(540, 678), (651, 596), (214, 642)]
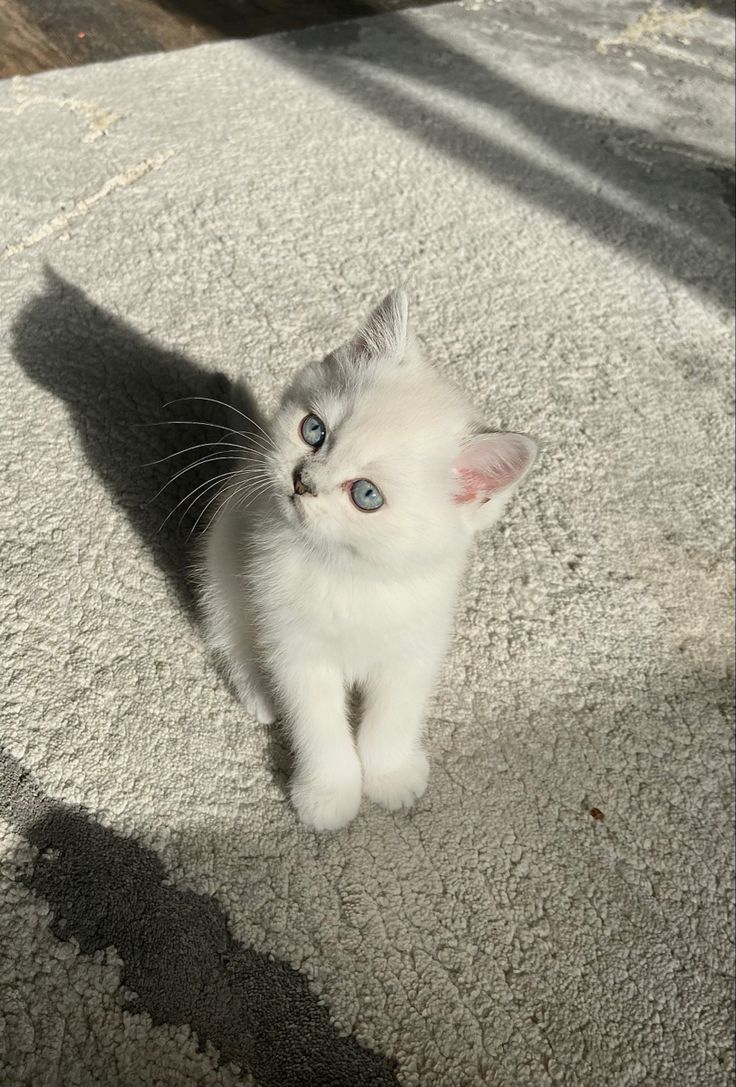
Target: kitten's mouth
[(295, 507)]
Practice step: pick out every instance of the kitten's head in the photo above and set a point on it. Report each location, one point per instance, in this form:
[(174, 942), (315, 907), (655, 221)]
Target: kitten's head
[(379, 457)]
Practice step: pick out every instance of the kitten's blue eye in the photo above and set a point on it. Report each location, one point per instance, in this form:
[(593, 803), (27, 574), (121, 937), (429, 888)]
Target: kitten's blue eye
[(312, 431), (366, 495)]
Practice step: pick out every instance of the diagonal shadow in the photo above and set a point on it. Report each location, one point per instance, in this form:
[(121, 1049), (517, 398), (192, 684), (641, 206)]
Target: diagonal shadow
[(669, 204), (248, 18), (179, 955), (115, 384)]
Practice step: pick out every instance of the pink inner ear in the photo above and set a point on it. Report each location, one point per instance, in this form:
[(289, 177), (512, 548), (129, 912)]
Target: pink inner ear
[(489, 465)]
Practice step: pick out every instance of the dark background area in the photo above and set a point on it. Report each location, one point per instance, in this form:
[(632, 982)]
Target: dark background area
[(36, 35)]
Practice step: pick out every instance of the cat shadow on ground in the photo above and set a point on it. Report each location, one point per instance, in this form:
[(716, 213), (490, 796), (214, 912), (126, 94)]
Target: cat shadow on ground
[(118, 387)]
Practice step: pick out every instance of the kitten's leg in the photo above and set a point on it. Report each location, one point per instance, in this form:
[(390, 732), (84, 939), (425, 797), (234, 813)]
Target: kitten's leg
[(326, 784), (228, 635), (251, 690), (395, 767)]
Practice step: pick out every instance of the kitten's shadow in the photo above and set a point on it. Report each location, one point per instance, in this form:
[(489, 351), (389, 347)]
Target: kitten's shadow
[(116, 385)]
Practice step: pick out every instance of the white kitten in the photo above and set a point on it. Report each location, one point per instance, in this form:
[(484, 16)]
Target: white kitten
[(375, 475)]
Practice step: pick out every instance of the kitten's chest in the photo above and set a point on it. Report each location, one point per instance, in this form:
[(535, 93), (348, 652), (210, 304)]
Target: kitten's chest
[(357, 617), (347, 607)]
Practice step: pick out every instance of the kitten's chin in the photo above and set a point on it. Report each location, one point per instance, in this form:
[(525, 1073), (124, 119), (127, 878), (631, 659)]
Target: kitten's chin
[(312, 533), (290, 510), (295, 517)]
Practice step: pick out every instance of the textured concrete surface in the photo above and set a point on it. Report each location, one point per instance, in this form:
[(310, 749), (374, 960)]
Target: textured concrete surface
[(554, 184)]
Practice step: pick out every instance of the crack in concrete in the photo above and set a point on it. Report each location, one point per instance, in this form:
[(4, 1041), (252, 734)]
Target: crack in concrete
[(98, 119), (648, 27), (80, 209)]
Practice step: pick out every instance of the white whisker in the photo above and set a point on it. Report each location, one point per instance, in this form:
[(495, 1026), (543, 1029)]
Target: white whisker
[(230, 407), (206, 484), (196, 423), (195, 464), (189, 448), (217, 486), (235, 493), (219, 494)]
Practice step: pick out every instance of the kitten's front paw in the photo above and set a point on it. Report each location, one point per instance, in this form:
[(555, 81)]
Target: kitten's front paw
[(327, 803), (262, 708), (397, 786), (257, 703)]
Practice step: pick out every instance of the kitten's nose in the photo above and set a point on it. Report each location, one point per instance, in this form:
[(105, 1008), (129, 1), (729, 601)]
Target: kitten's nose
[(300, 487)]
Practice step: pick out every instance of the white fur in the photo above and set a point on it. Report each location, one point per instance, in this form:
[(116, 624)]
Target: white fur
[(305, 595)]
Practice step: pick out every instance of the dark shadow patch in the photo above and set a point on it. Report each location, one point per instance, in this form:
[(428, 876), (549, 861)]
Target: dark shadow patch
[(46, 34), (249, 18), (116, 384), (179, 956), (727, 177)]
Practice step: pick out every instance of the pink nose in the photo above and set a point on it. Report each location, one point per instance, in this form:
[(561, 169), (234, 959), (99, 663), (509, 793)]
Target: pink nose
[(300, 487)]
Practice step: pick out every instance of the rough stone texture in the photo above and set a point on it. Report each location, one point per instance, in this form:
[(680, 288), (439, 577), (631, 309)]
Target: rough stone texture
[(554, 183)]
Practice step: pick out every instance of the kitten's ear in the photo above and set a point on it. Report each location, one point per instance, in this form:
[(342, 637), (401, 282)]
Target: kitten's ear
[(385, 336), (487, 472)]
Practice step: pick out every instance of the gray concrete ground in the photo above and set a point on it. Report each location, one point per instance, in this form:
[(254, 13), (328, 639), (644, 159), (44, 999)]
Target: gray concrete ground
[(554, 184)]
